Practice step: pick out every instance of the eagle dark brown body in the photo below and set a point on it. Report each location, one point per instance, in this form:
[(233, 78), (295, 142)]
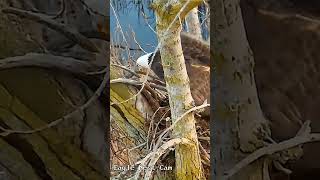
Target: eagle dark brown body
[(197, 59)]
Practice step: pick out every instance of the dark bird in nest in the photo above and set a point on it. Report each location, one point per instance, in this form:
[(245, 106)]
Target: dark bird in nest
[(197, 58)]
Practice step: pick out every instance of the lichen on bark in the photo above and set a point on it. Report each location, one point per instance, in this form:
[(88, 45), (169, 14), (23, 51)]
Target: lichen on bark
[(188, 161)]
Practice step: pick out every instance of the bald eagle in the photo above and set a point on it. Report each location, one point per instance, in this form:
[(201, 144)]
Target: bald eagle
[(197, 59)]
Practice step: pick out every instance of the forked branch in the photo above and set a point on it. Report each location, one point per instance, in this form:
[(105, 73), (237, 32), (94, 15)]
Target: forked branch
[(300, 138)]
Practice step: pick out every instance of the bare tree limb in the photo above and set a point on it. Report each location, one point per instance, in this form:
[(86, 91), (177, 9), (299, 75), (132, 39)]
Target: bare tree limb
[(67, 31), (154, 156), (160, 151), (289, 16), (177, 120), (273, 148), (66, 64), (136, 83), (152, 76), (122, 47), (127, 69)]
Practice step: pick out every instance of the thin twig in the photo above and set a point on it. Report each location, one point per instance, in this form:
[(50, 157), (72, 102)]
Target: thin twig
[(123, 47), (151, 125), (178, 120), (155, 155), (177, 17), (135, 40), (205, 153), (161, 150), (146, 21), (156, 129), (119, 26), (288, 16), (153, 77), (136, 83), (127, 69), (204, 138)]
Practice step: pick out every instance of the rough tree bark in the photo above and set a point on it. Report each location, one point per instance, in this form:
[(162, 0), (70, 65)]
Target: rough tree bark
[(193, 22), (188, 161), (33, 95), (239, 124)]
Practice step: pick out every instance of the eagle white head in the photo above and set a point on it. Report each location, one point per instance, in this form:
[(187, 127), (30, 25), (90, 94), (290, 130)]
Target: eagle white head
[(143, 61)]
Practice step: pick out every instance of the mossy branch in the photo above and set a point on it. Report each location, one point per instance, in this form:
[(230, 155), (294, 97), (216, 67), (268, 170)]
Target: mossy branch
[(168, 10)]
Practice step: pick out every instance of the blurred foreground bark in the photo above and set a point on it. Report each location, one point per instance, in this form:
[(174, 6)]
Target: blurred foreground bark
[(285, 38), (239, 124), (34, 95)]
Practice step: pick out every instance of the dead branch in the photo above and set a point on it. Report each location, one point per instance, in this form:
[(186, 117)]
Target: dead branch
[(299, 139), (127, 69), (151, 125), (289, 16), (154, 52), (177, 120), (154, 156), (136, 83), (135, 40), (155, 78), (66, 64), (123, 47), (152, 143), (161, 150), (154, 104), (120, 28), (67, 31), (205, 155), (145, 20)]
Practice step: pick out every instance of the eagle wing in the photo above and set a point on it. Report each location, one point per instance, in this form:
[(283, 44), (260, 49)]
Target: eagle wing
[(197, 59)]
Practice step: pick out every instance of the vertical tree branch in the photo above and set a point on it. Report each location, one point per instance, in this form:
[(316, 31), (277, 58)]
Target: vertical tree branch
[(188, 161)]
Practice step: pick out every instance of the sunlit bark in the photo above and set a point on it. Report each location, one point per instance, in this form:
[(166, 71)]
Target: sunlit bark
[(188, 161)]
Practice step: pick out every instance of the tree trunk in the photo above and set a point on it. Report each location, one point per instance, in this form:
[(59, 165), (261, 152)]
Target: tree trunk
[(239, 124), (188, 161), (193, 22)]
